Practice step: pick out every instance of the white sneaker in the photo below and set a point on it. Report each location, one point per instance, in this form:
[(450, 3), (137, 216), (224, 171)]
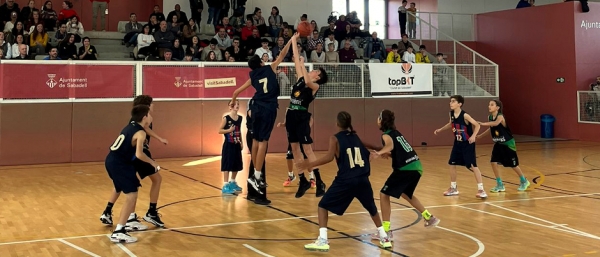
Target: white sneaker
[(389, 234), (106, 218), (122, 237), (135, 225)]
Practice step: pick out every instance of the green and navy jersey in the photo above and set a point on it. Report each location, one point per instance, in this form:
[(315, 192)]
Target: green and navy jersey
[(404, 156), (301, 96), (502, 134)]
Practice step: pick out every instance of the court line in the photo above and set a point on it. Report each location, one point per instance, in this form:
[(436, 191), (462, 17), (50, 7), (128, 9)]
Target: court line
[(528, 222), (257, 251), (292, 218), (124, 248), (547, 221), (480, 245), (78, 248), (541, 180)]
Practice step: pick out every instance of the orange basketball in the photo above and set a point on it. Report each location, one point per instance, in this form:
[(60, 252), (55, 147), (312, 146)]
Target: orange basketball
[(304, 28)]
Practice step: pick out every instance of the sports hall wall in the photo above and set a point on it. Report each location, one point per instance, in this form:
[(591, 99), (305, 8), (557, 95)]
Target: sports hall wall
[(81, 132), (534, 47)]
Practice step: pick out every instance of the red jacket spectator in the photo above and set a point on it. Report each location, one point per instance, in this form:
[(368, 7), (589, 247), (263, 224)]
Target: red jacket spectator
[(247, 31), (67, 14), (228, 29)]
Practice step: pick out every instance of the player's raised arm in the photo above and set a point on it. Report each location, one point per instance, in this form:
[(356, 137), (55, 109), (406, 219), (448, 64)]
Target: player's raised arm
[(299, 64), (281, 56), (333, 149), (139, 139), (241, 89)]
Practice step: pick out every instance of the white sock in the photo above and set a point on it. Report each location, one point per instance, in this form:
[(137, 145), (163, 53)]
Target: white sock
[(382, 233), (225, 184), (257, 174), (311, 175), (453, 185), (323, 233), (291, 174), (119, 227), (132, 216), (231, 181), (479, 186)]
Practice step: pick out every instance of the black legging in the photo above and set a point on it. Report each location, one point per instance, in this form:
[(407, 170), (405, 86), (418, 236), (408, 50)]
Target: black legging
[(151, 49), (251, 191)]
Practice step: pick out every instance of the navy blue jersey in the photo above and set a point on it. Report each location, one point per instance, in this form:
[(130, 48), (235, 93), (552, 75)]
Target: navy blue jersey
[(302, 96), (353, 159), (264, 80), (462, 131), (147, 142), (122, 148), (403, 154)]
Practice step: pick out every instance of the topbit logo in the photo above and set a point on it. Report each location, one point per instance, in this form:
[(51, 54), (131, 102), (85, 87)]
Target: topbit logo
[(406, 80)]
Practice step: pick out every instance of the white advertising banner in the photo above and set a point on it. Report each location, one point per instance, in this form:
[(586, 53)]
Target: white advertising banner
[(401, 79)]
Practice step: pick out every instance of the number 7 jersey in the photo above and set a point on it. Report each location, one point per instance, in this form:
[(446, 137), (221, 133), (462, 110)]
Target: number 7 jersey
[(264, 80), (122, 148), (353, 159)]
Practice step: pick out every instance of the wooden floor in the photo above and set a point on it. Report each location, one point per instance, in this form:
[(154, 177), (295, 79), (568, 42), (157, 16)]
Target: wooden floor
[(53, 210)]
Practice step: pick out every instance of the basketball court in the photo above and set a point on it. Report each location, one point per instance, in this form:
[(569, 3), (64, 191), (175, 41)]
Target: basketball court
[(53, 210)]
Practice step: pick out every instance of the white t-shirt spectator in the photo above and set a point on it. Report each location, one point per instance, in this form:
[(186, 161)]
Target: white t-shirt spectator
[(261, 51), (409, 57)]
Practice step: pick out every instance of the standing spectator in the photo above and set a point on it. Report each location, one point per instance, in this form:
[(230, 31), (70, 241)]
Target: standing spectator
[(182, 18), (196, 6), (27, 10), (340, 28), (331, 56), (409, 56), (275, 22), (5, 12), (393, 56), (75, 27), (87, 51), (132, 29), (421, 56), (190, 30), (39, 40), (214, 9), (375, 48), (347, 54), (402, 17), (49, 16), (66, 13), (412, 21), (159, 15), (259, 21), (99, 6), (318, 56), (67, 49), (239, 6), (441, 77), (355, 22), (224, 11)]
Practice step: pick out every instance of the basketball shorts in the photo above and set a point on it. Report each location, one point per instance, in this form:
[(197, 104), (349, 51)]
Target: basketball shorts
[(401, 182), (504, 155), (463, 154), (290, 154), (122, 174), (263, 120), (342, 191), (297, 125), (143, 168)]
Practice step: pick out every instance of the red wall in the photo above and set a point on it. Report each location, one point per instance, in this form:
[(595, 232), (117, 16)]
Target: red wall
[(118, 10), (533, 47), (82, 132)]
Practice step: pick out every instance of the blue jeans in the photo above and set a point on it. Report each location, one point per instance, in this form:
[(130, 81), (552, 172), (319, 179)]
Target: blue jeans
[(378, 55), (213, 15)]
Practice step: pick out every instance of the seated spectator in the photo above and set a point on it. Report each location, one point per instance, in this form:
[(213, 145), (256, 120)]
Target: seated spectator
[(278, 48), (223, 40), (330, 31), (247, 30), (237, 22), (318, 56), (375, 48), (33, 21), (403, 44), (421, 56), (347, 33), (331, 40), (158, 14), (275, 22), (181, 16), (231, 59), (188, 57), (313, 41), (26, 12), (236, 51), (177, 50), (146, 43), (347, 54), (67, 49), (194, 49), (61, 34), (265, 57), (66, 13), (211, 57), (18, 41), (342, 28), (5, 46), (212, 48), (87, 51), (190, 30), (132, 29), (352, 43), (164, 38), (393, 56), (154, 24), (228, 28), (2, 54), (19, 30), (441, 78), (408, 55), (301, 51), (226, 56), (175, 27), (286, 33), (9, 25), (168, 55), (354, 21), (53, 54), (331, 56), (253, 42), (595, 86), (49, 16), (39, 40), (22, 53), (259, 21), (264, 49), (76, 28)]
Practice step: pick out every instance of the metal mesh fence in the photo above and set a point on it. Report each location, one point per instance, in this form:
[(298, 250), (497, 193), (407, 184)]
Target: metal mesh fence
[(589, 106), (344, 80)]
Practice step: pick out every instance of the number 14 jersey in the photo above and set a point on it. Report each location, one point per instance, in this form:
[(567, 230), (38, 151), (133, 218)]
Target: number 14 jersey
[(353, 159)]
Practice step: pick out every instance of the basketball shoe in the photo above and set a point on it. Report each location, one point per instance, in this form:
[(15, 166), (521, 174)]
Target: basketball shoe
[(106, 218), (134, 224), (154, 218), (121, 236), (432, 222), (320, 244)]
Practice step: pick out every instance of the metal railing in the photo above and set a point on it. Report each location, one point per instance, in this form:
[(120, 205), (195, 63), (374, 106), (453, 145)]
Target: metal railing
[(588, 106), (457, 25)]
